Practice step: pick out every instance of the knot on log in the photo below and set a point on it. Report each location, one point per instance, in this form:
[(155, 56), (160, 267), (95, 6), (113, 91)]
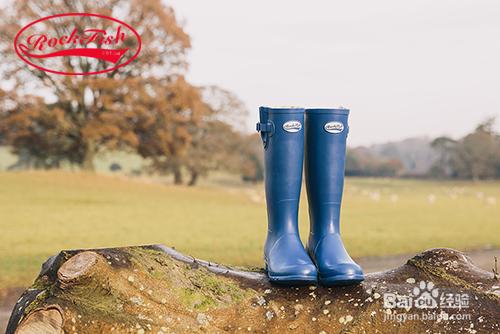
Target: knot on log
[(78, 266), (452, 266), (447, 257)]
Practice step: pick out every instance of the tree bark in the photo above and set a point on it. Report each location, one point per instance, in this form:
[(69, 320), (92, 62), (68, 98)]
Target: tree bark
[(194, 178), (177, 176), (155, 289), (88, 158)]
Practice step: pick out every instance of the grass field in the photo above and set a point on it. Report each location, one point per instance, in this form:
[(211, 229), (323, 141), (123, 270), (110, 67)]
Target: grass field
[(44, 212)]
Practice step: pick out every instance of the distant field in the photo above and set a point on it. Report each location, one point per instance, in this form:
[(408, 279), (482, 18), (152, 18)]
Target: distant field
[(6, 158), (44, 212), (127, 161)]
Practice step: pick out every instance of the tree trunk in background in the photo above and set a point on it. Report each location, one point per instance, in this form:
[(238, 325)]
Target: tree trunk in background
[(156, 289), (88, 159), (177, 175), (194, 178)]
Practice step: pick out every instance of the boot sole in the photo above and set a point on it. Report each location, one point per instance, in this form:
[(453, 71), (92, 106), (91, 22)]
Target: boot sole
[(292, 280), (340, 280)]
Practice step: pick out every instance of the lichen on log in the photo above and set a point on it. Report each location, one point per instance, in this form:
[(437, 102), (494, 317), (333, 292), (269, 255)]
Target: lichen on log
[(159, 290)]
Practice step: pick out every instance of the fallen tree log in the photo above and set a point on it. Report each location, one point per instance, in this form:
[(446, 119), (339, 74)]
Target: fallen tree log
[(155, 289)]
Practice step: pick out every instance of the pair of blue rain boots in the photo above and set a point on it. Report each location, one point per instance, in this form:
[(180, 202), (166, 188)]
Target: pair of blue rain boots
[(282, 131)]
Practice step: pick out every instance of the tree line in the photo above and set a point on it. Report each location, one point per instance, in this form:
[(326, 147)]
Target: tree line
[(474, 156)]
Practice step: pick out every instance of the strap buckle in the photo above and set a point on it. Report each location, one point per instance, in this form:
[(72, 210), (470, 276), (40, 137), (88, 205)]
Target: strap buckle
[(266, 131), (265, 127)]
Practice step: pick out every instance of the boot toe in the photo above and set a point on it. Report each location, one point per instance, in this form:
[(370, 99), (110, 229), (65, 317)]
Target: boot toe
[(288, 263), (335, 266), (341, 274), (294, 275), (303, 270)]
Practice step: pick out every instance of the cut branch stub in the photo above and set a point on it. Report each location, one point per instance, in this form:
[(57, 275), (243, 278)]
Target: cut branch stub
[(77, 266), (83, 265), (48, 320)]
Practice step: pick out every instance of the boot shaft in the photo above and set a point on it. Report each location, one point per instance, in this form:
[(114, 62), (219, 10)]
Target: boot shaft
[(325, 139), (282, 134)]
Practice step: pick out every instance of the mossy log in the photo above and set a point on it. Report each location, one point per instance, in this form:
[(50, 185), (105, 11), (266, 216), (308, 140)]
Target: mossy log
[(155, 289)]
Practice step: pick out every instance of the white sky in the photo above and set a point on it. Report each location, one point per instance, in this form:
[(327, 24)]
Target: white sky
[(404, 68)]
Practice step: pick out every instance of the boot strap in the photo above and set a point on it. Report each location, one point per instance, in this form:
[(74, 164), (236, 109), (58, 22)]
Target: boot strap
[(265, 127), (266, 130)]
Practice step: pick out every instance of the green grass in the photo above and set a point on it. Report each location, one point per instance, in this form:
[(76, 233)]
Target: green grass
[(129, 162), (44, 212), (6, 158)]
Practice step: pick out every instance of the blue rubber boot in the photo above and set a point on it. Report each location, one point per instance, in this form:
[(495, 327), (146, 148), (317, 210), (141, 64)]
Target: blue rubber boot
[(282, 134), (326, 136)]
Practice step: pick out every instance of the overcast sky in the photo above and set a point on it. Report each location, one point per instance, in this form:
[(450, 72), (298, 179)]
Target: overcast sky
[(404, 68)]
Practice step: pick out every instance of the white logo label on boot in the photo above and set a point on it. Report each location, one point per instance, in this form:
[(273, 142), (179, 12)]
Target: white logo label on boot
[(292, 126), (334, 127)]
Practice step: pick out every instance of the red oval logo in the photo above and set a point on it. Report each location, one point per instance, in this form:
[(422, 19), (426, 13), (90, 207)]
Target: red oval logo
[(84, 42)]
